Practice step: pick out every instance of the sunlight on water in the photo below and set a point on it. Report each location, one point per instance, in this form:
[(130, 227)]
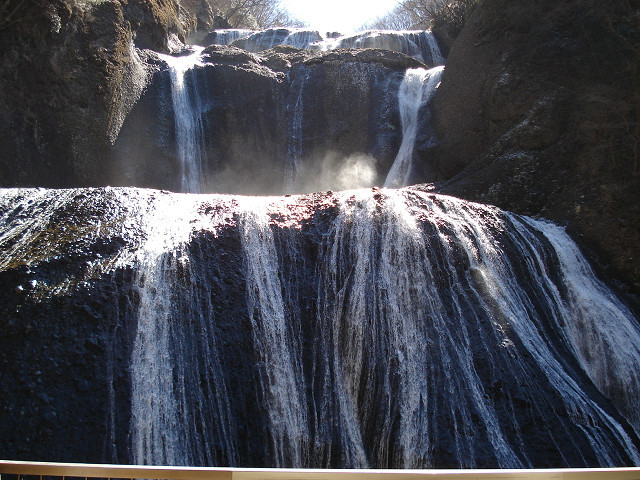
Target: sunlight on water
[(387, 292), (416, 91), (159, 408), (600, 328), (378, 325), (281, 374), (418, 44), (188, 121)]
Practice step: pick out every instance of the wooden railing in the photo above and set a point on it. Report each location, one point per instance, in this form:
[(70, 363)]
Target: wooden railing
[(78, 470)]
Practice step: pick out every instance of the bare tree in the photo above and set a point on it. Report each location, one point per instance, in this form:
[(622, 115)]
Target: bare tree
[(424, 14), (254, 13), (272, 15), (397, 19)]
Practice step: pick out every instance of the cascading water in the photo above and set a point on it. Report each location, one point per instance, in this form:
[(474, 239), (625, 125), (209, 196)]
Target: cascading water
[(157, 413), (416, 91), (598, 350), (295, 113), (420, 45), (265, 39), (226, 36), (405, 330), (173, 411), (276, 340), (187, 110), (278, 122)]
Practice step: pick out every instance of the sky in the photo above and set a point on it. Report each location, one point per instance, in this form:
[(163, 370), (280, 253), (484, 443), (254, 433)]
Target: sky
[(337, 15)]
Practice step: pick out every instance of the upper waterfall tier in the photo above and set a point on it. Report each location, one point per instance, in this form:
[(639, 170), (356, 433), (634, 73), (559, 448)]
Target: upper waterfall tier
[(418, 44), (223, 120), (367, 328)]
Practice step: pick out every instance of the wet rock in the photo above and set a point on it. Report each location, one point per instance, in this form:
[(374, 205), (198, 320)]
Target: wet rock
[(74, 369), (248, 106)]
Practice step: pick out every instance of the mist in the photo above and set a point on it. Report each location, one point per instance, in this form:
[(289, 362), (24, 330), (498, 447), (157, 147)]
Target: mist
[(332, 171)]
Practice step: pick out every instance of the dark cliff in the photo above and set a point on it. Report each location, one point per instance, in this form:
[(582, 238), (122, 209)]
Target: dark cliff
[(69, 77), (538, 113)]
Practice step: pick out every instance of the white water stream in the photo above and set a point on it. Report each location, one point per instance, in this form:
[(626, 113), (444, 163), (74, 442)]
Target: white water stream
[(379, 328), (411, 288), (417, 89), (187, 108)]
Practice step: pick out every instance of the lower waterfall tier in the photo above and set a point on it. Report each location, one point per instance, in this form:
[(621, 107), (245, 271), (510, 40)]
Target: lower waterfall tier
[(366, 328)]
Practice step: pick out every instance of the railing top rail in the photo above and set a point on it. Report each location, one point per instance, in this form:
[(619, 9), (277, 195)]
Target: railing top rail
[(223, 473)]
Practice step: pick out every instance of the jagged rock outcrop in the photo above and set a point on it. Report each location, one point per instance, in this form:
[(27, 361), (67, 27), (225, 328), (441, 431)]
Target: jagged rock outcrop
[(537, 113)]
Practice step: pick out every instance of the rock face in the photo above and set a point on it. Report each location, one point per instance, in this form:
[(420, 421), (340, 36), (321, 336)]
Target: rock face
[(257, 120), (427, 330), (92, 104), (71, 73), (76, 350), (537, 113)]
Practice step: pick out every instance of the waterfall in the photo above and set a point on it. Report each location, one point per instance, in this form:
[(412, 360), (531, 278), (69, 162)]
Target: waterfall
[(266, 39), (237, 119), (420, 45), (177, 418), (600, 329), (226, 36), (302, 38), (381, 310), (295, 115), (384, 328), (277, 345), (368, 328), (158, 433), (187, 108), (406, 330), (416, 91)]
